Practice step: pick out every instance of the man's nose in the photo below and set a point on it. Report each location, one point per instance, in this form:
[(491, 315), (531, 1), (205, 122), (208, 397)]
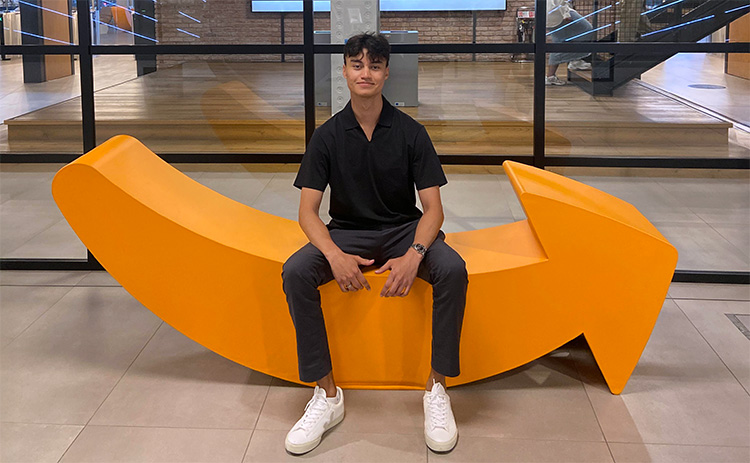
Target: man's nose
[(365, 71)]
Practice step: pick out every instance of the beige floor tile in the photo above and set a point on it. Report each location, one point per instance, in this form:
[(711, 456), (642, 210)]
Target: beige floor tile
[(284, 405), (22, 220), (21, 305), (495, 449), (176, 382), (459, 224), (104, 444), (475, 197), (41, 278), (721, 214), (35, 443), (61, 369), (542, 400), (646, 453), (368, 411), (701, 247), (337, 446), (729, 343), (647, 195), (98, 278), (242, 186), (56, 242), (17, 182), (736, 233), (709, 291), (679, 393), (713, 200), (512, 199), (280, 197)]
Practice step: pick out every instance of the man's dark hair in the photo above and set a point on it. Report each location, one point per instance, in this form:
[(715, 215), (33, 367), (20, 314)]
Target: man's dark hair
[(377, 47)]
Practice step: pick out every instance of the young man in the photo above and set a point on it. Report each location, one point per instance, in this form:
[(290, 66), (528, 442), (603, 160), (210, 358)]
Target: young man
[(372, 156)]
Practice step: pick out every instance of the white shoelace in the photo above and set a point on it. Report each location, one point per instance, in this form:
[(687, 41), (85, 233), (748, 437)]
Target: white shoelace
[(438, 408), (314, 410)]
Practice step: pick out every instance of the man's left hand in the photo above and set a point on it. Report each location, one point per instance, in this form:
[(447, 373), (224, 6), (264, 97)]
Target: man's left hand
[(403, 272)]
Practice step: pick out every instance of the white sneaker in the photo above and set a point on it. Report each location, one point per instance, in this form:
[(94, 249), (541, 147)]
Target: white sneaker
[(440, 431), (579, 65), (553, 80), (321, 414)]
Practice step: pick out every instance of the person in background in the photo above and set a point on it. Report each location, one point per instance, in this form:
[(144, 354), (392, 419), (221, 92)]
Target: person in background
[(564, 24)]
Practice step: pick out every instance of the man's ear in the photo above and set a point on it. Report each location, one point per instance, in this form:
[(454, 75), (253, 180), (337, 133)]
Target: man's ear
[(387, 71)]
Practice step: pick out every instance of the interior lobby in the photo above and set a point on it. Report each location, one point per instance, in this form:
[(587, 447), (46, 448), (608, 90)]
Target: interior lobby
[(90, 374)]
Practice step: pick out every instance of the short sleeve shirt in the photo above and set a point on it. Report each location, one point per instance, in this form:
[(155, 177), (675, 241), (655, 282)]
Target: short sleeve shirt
[(372, 181)]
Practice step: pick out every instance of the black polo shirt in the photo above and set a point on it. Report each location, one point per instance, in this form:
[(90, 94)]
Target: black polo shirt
[(372, 182)]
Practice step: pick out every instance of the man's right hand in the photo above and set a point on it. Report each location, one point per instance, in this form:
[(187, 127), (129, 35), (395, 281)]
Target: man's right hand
[(346, 271)]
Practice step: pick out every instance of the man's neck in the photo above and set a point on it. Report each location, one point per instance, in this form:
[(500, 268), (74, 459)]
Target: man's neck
[(367, 110)]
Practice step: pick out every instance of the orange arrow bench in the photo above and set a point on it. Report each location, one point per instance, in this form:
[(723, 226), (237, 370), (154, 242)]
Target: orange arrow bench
[(584, 262)]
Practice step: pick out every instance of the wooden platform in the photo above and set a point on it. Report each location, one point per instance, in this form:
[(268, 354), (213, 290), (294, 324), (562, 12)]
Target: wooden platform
[(468, 108)]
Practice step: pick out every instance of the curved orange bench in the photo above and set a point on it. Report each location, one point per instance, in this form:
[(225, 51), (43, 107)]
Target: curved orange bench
[(584, 262)]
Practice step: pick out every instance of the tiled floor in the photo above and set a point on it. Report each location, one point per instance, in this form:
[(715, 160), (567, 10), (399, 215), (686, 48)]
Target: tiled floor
[(707, 219), (90, 375)]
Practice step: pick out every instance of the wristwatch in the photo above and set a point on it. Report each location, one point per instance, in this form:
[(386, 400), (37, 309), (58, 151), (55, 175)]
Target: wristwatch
[(419, 248)]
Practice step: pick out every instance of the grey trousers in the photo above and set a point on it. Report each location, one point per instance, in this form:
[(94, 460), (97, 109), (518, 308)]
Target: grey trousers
[(442, 267)]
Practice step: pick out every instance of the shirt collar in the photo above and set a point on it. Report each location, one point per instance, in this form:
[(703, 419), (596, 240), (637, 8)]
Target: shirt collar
[(386, 115)]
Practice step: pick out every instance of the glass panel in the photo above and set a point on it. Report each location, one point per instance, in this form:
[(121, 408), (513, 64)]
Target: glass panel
[(40, 111), (704, 214), (642, 119), (39, 22), (468, 107), (31, 225), (203, 104), (644, 21), (124, 22)]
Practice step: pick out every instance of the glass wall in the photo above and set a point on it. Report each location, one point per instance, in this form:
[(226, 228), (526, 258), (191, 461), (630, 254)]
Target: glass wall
[(33, 120), (204, 104), (617, 104)]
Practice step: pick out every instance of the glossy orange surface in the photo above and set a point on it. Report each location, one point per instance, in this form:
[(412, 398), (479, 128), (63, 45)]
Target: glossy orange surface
[(584, 262)]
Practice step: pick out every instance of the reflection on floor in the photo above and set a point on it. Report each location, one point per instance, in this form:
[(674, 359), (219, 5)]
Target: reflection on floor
[(677, 74), (707, 219), (468, 108), (89, 374)]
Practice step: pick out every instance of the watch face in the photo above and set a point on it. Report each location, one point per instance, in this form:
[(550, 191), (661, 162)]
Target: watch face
[(419, 248)]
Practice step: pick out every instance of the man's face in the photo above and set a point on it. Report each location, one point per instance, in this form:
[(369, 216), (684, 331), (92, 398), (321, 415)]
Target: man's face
[(365, 78)]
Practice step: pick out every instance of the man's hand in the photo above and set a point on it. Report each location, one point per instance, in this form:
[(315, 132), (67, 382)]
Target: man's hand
[(346, 271), (403, 272)]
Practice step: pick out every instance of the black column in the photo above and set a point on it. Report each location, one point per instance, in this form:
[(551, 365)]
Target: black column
[(540, 71), (31, 23), (2, 39), (87, 75), (309, 69), (143, 26)]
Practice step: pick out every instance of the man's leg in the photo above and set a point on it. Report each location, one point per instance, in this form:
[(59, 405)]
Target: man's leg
[(445, 270), (303, 273)]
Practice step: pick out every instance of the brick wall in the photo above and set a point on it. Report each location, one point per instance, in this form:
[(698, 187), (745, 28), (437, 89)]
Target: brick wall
[(233, 22)]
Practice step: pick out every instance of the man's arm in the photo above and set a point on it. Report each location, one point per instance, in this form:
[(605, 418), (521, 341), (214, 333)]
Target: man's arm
[(345, 267), (404, 269)]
